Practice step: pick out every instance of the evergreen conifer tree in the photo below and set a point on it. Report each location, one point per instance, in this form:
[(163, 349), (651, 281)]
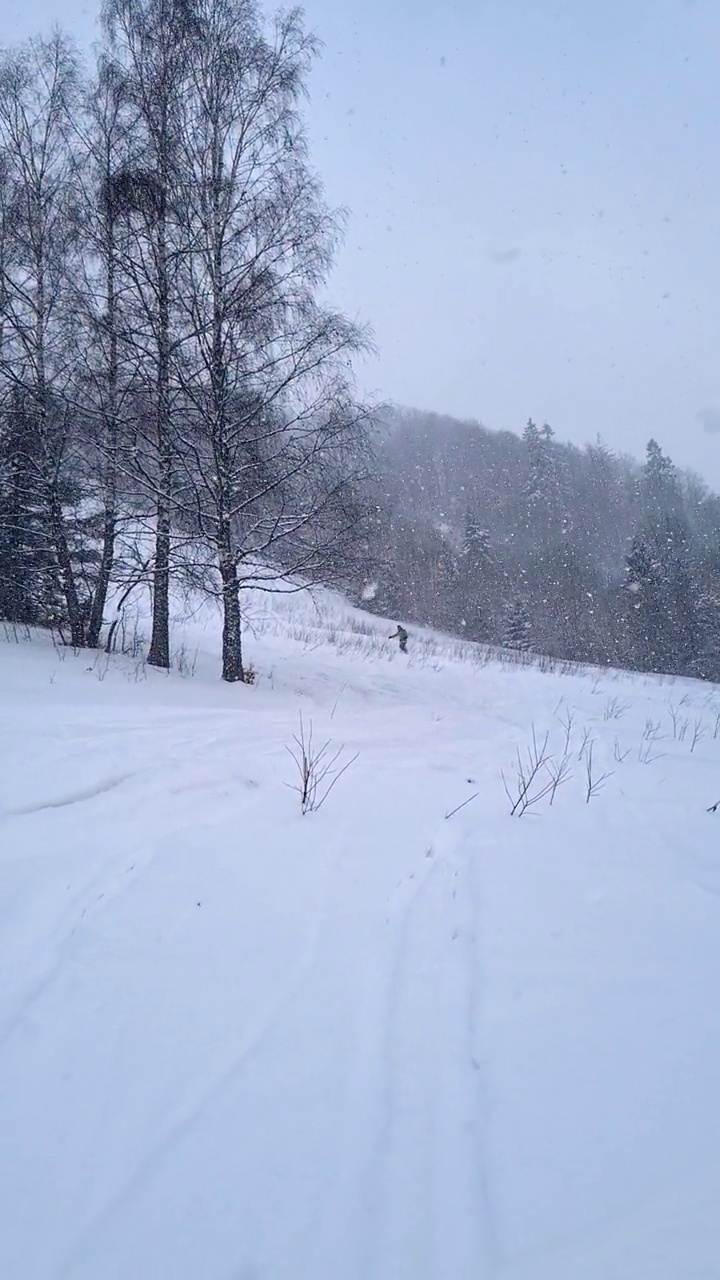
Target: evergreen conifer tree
[(517, 633)]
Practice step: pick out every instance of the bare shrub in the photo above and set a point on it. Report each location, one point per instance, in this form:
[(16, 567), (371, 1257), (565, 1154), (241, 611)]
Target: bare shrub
[(560, 772), (594, 781), (318, 768), (615, 709), (698, 733), (568, 723), (530, 785), (651, 732), (680, 724), (184, 661), (16, 632)]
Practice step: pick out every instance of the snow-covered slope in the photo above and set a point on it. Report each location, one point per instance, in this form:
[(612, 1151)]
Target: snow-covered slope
[(374, 1042)]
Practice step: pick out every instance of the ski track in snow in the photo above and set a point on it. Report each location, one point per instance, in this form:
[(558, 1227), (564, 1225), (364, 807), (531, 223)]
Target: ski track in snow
[(62, 802), (370, 1044), (381, 1148)]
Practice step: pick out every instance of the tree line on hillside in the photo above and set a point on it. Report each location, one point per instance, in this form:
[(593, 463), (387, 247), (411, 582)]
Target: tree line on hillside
[(532, 544), (176, 402)]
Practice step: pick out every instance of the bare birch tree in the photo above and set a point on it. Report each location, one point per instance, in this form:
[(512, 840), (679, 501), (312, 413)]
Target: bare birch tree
[(147, 48), (107, 367), (39, 92), (273, 440)]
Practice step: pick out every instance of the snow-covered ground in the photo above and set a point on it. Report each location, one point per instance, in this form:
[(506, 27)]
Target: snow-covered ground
[(374, 1042)]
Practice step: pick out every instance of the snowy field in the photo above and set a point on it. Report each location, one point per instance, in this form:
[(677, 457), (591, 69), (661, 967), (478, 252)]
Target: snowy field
[(373, 1042)]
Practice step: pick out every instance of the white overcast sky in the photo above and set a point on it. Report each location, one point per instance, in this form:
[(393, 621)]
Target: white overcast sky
[(533, 190)]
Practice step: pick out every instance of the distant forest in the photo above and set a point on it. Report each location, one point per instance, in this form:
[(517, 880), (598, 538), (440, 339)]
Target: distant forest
[(532, 544)]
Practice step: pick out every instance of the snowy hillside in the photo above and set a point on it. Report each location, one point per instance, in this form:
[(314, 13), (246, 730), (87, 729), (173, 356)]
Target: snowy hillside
[(374, 1042)]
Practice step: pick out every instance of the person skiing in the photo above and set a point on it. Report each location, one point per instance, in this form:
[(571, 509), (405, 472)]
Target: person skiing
[(401, 635)]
